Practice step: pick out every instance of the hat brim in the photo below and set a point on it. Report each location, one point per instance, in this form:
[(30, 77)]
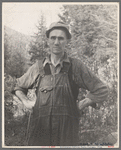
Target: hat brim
[(59, 27)]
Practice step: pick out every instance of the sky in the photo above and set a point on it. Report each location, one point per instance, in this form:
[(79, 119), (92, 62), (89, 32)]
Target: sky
[(23, 17)]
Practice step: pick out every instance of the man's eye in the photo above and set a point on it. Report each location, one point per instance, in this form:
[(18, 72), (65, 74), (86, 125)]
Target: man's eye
[(60, 38), (53, 38)]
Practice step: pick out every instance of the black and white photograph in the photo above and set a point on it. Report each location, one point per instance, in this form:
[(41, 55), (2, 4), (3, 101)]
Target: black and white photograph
[(60, 75)]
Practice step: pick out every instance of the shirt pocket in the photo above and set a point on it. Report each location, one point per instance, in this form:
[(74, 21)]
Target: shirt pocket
[(45, 94)]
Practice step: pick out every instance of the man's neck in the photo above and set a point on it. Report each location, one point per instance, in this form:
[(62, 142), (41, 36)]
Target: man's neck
[(55, 59)]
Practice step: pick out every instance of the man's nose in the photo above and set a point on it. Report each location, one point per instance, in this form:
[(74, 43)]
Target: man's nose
[(56, 41)]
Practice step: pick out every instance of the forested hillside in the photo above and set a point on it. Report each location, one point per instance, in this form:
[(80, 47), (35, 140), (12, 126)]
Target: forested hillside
[(15, 52), (15, 65), (94, 30)]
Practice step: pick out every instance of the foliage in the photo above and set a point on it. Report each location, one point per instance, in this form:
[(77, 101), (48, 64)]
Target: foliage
[(94, 31), (16, 115), (13, 59), (14, 67), (38, 46)]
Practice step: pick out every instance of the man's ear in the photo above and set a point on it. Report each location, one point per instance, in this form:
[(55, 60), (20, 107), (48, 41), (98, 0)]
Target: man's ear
[(68, 40), (48, 42)]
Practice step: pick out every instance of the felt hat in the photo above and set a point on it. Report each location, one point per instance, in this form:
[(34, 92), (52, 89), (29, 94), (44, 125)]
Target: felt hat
[(59, 25)]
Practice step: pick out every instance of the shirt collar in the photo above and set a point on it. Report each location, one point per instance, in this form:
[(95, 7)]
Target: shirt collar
[(64, 59)]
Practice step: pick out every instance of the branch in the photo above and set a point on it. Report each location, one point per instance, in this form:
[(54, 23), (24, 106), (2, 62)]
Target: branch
[(103, 20), (108, 39)]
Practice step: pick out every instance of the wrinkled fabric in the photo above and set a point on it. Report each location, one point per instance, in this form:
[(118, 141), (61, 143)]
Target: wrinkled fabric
[(82, 76), (56, 69), (55, 114)]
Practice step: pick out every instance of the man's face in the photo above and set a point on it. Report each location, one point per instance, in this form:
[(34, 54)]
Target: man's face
[(57, 41)]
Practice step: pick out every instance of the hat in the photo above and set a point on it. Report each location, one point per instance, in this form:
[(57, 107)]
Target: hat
[(56, 25)]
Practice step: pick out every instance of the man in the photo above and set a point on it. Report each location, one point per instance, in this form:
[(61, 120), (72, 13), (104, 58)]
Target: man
[(55, 113)]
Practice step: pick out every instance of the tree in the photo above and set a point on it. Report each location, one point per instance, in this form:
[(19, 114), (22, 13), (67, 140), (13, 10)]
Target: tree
[(13, 60), (38, 47), (94, 33)]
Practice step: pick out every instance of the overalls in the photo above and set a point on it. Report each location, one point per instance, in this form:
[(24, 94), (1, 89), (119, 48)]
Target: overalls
[(55, 114)]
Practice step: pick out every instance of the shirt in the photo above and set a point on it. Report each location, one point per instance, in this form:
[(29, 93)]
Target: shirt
[(82, 76), (56, 69)]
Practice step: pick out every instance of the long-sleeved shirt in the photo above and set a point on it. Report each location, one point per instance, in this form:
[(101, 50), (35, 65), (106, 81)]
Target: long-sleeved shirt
[(82, 76)]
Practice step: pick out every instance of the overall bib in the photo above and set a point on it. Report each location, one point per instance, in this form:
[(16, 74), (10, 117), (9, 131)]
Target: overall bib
[(55, 114)]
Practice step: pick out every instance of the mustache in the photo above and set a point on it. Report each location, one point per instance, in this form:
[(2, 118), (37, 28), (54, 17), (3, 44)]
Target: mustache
[(56, 47)]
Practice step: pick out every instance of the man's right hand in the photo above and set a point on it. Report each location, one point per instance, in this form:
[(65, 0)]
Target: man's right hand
[(27, 102)]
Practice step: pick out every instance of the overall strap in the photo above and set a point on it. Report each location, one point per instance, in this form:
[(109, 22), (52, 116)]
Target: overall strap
[(73, 85), (41, 74), (66, 67), (47, 69)]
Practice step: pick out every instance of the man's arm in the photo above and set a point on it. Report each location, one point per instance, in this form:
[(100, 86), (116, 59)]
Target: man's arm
[(26, 82), (85, 79)]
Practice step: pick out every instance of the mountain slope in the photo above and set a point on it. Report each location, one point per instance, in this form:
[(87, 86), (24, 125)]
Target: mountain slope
[(17, 41)]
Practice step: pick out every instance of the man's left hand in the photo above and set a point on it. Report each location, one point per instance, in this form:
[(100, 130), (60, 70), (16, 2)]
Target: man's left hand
[(84, 103)]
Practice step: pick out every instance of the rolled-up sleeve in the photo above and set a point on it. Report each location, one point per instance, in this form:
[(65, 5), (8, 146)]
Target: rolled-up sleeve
[(85, 79), (27, 81)]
